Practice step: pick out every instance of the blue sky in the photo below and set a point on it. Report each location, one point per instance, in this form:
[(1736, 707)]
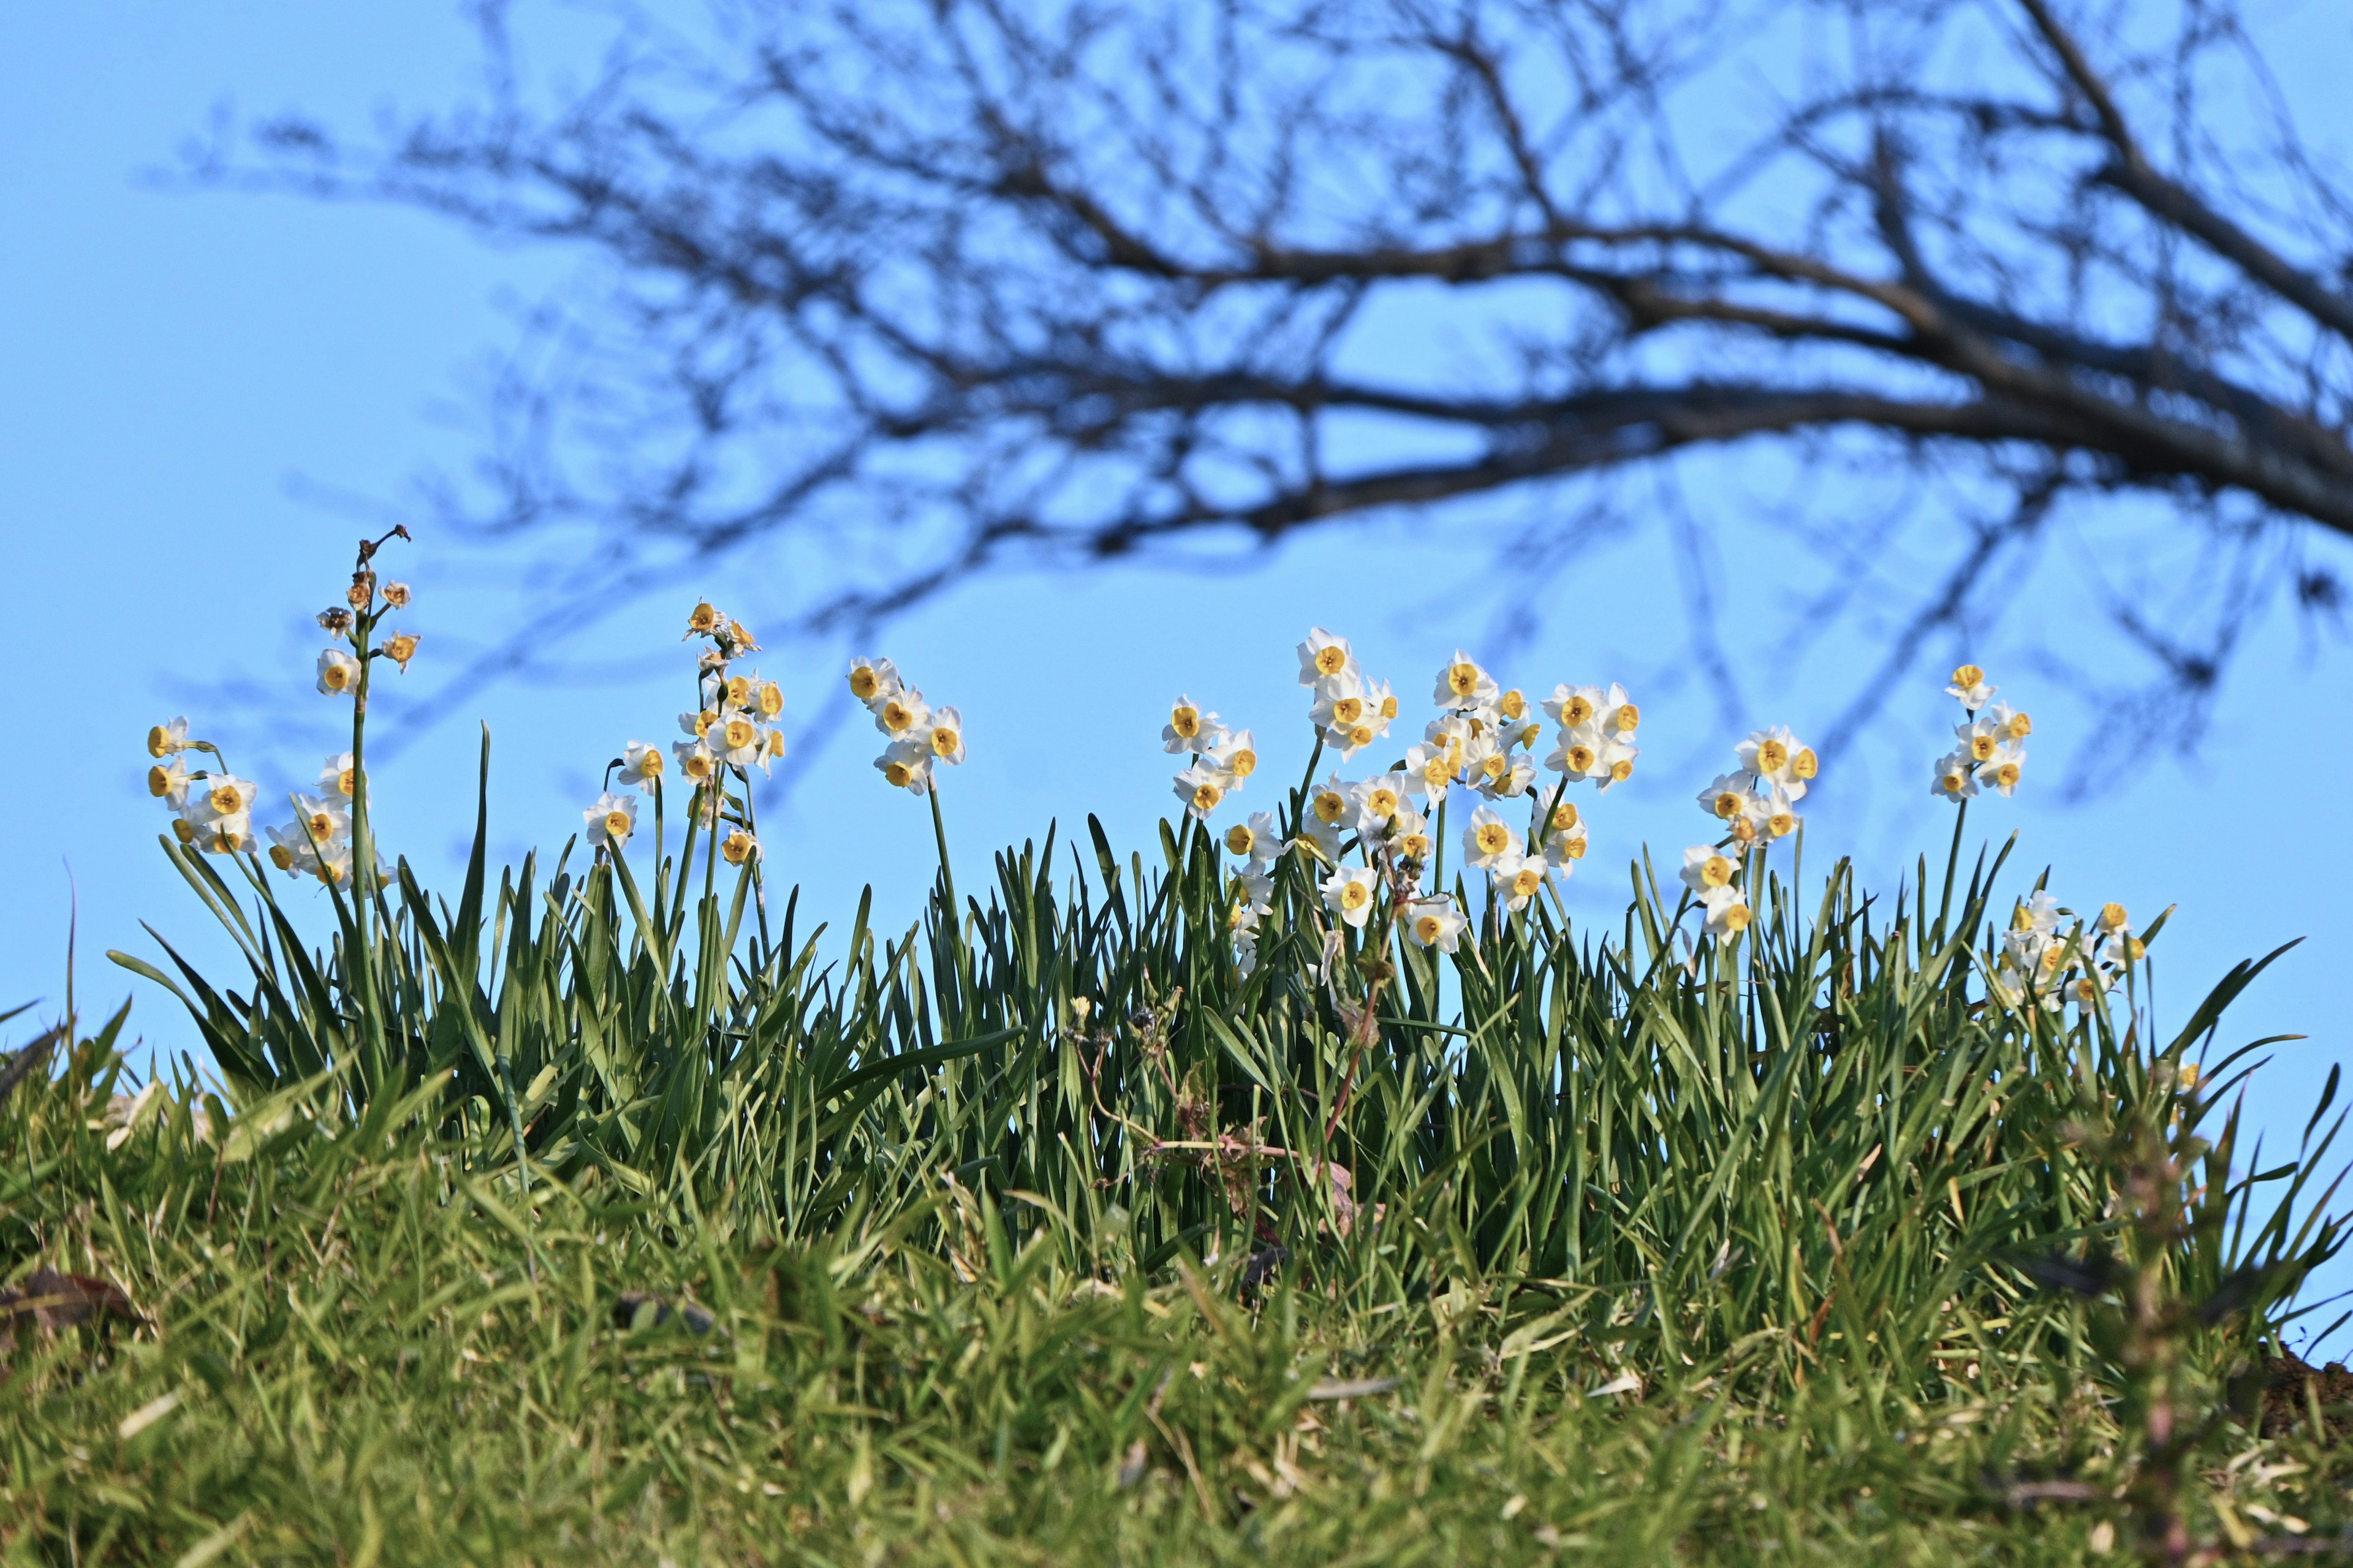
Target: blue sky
[(187, 373)]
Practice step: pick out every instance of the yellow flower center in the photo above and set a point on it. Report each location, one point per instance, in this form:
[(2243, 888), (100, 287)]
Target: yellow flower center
[(224, 842), (403, 649), (1953, 783), (1629, 716), (697, 766), (159, 782), (1382, 803), (1331, 660), (181, 831), (864, 683), (1429, 928), (1240, 840), (1574, 849), (1529, 880), (738, 847), (1968, 676), (347, 782), (1389, 706), (2112, 916), (944, 741), (1513, 703), (1205, 797), (1436, 771), (2006, 776), (2021, 919), (337, 675), (1804, 765), (772, 699), (1495, 765), (1242, 763), (1575, 711), (331, 872), (1563, 817), (897, 716), (1362, 735), (739, 689), (1728, 803), (1621, 771), (1347, 710), (224, 800), (1715, 870), (1414, 846), (1780, 825), (1981, 747), (1493, 838), (617, 825), (1772, 757), (159, 742), (2135, 949), (1330, 807), (775, 742), (897, 774), (281, 857), (1355, 895), (1735, 919), (740, 732), (1186, 721), (1462, 679), (649, 762), (322, 824), (2021, 726), (1580, 758), (2086, 992), (703, 619)]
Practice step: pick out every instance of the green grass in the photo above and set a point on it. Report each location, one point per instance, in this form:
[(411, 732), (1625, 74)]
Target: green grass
[(1645, 1254)]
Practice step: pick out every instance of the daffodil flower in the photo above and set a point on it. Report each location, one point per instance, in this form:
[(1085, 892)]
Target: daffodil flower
[(901, 713), (1969, 687), (1771, 756), (337, 776), (643, 765), (1187, 728), (704, 621), (774, 751), (1339, 703), (1487, 838), (339, 673), (1502, 775), (1728, 797), (1577, 757), (698, 724), (1464, 684), (1235, 753), (1256, 884), (1572, 707), (1706, 867), (1245, 953), (1727, 912), (1201, 787), (2001, 772), (1324, 655), (1410, 834), (1435, 923), (1616, 711), (873, 680), (739, 847), (325, 818), (1615, 762), (1956, 777), (944, 737), (168, 782), (1518, 876), (1378, 800), (1779, 819), (1254, 840), (400, 647), (1430, 769), (907, 765), (698, 764), (611, 819), (737, 740), (169, 738), (1348, 893), (290, 852)]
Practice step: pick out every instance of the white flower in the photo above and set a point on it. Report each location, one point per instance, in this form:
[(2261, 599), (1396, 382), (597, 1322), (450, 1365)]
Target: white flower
[(642, 765), (611, 820), (1256, 885), (217, 798), (1617, 713), (1255, 840), (1320, 839), (1431, 769), (2006, 722), (1614, 764), (1956, 778), (1728, 798), (873, 680), (1577, 757), (1189, 727), (1564, 842), (1339, 704), (1463, 684), (1778, 759), (907, 765), (1410, 834), (1380, 705), (1778, 820), (1706, 868), (2001, 772), (326, 819), (1201, 787), (1488, 838), (2038, 912), (1245, 952), (1332, 806), (1324, 655), (944, 737), (1377, 801), (737, 740), (697, 763), (2119, 948), (1519, 877), (1235, 755), (337, 776), (1434, 922), (1572, 707), (339, 673), (1348, 893), (739, 847), (168, 781), (903, 714), (290, 852), (1504, 775), (1727, 912), (1969, 687), (168, 739)]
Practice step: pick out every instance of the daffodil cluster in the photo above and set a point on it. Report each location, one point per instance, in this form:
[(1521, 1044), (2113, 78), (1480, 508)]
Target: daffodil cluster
[(731, 730), (2049, 954), (1757, 803), (1992, 735), (1221, 759), (917, 737)]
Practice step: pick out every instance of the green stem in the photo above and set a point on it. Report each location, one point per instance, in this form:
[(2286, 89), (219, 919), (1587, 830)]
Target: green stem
[(364, 862)]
